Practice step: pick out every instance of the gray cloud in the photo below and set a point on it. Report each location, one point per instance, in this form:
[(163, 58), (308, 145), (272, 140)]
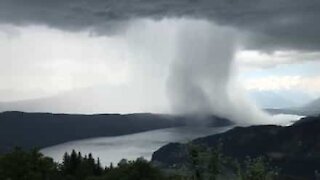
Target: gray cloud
[(270, 24), (201, 78)]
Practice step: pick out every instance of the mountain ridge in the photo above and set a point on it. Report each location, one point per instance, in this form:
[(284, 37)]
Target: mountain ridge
[(294, 149), (29, 130)]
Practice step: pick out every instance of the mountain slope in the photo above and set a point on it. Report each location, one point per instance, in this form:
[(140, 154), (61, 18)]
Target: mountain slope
[(294, 149), (312, 108)]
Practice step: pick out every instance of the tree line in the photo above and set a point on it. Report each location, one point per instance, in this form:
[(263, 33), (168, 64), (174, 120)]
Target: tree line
[(202, 165)]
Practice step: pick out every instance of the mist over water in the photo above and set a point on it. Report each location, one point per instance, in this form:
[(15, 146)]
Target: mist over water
[(201, 80)]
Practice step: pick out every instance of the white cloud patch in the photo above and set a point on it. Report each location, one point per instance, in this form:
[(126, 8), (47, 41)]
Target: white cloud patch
[(275, 83), (258, 59), (40, 59)]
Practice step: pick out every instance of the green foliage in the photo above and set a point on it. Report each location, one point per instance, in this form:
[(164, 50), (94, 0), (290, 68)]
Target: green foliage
[(204, 164), (32, 165), (258, 169), (75, 165), (195, 159), (134, 170), (22, 165), (211, 164)]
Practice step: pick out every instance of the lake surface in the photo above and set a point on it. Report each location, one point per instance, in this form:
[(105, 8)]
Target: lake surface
[(113, 149), (132, 146)]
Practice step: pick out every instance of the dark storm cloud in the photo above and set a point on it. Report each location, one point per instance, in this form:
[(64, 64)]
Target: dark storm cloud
[(270, 24)]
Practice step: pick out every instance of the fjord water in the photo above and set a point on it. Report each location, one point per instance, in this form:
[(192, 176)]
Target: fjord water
[(113, 149)]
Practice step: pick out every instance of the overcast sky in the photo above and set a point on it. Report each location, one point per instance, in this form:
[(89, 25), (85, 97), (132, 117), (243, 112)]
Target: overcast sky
[(116, 56)]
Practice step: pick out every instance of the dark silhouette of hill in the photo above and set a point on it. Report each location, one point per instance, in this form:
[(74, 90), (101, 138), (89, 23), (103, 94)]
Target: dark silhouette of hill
[(294, 149), (29, 130)]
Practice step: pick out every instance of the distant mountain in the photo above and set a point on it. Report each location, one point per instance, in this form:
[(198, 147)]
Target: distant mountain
[(271, 100), (29, 130), (294, 149), (294, 111), (93, 100), (312, 108), (279, 99)]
